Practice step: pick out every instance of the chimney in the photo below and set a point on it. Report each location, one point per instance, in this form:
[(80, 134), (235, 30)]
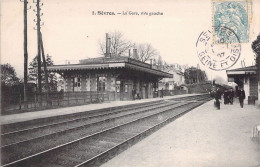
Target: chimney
[(134, 53), (108, 43), (129, 53), (151, 62)]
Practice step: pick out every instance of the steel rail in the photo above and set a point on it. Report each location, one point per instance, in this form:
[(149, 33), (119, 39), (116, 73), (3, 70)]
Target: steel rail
[(78, 115), (76, 119), (29, 123), (141, 134), (82, 126), (88, 136)]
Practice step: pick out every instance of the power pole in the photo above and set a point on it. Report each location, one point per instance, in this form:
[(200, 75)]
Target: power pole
[(45, 71), (39, 46), (25, 54)]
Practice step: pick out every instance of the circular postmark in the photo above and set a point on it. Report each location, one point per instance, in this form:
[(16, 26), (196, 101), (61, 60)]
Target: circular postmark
[(218, 53)]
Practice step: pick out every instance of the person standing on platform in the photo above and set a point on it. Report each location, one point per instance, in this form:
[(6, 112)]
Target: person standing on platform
[(217, 98), (162, 93), (225, 96), (231, 96), (241, 97), (133, 94)]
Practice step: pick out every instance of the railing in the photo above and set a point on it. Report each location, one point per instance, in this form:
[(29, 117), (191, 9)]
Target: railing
[(14, 103), (38, 101), (169, 92)]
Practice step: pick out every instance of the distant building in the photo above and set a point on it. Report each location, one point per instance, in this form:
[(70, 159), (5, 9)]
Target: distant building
[(177, 78), (246, 78), (177, 67)]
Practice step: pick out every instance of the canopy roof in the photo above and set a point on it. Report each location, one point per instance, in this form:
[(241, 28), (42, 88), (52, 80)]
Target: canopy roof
[(251, 70), (109, 63)]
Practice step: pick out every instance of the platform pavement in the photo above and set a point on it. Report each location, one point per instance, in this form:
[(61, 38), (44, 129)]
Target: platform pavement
[(204, 137), (7, 119)]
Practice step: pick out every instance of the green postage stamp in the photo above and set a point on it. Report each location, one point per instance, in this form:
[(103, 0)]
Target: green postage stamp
[(235, 16)]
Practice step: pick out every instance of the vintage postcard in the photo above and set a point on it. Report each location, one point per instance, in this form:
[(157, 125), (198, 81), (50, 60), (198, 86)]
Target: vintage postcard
[(130, 83)]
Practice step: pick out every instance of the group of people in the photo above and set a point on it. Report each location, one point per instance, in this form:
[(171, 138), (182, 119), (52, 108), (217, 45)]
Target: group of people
[(135, 95), (228, 96)]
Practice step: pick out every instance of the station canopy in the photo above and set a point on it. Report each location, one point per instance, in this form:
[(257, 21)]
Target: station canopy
[(236, 75), (110, 63), (251, 70)]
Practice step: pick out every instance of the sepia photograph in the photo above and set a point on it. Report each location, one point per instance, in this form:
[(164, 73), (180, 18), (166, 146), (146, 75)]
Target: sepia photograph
[(130, 83)]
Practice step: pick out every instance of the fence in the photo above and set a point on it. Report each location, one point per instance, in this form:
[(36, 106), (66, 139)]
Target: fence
[(14, 103), (169, 92), (38, 101)]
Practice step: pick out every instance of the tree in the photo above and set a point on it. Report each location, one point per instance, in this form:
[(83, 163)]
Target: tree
[(194, 75), (145, 52), (33, 73), (8, 75), (11, 87), (52, 76), (119, 45), (256, 48)]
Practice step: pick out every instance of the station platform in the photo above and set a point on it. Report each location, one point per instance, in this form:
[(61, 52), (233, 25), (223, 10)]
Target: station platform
[(204, 137), (7, 119)]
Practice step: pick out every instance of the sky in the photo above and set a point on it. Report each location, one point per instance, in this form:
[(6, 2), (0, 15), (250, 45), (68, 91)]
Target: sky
[(71, 32)]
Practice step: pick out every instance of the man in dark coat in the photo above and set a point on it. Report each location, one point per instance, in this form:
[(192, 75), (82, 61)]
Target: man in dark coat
[(226, 96), (162, 93), (241, 97), (231, 96), (133, 94), (217, 98)]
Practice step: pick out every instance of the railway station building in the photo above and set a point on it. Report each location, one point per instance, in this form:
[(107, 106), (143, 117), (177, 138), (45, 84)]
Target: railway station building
[(117, 74), (246, 78)]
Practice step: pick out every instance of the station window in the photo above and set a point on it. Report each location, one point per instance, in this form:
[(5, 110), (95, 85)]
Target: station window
[(101, 83), (126, 88), (118, 83), (77, 84), (117, 88)]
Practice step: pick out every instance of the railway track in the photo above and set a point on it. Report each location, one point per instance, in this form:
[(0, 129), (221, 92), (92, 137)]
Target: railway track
[(86, 139), (9, 128), (38, 123)]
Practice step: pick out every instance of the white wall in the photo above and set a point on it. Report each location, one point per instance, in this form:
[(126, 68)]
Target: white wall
[(258, 91), (246, 87)]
